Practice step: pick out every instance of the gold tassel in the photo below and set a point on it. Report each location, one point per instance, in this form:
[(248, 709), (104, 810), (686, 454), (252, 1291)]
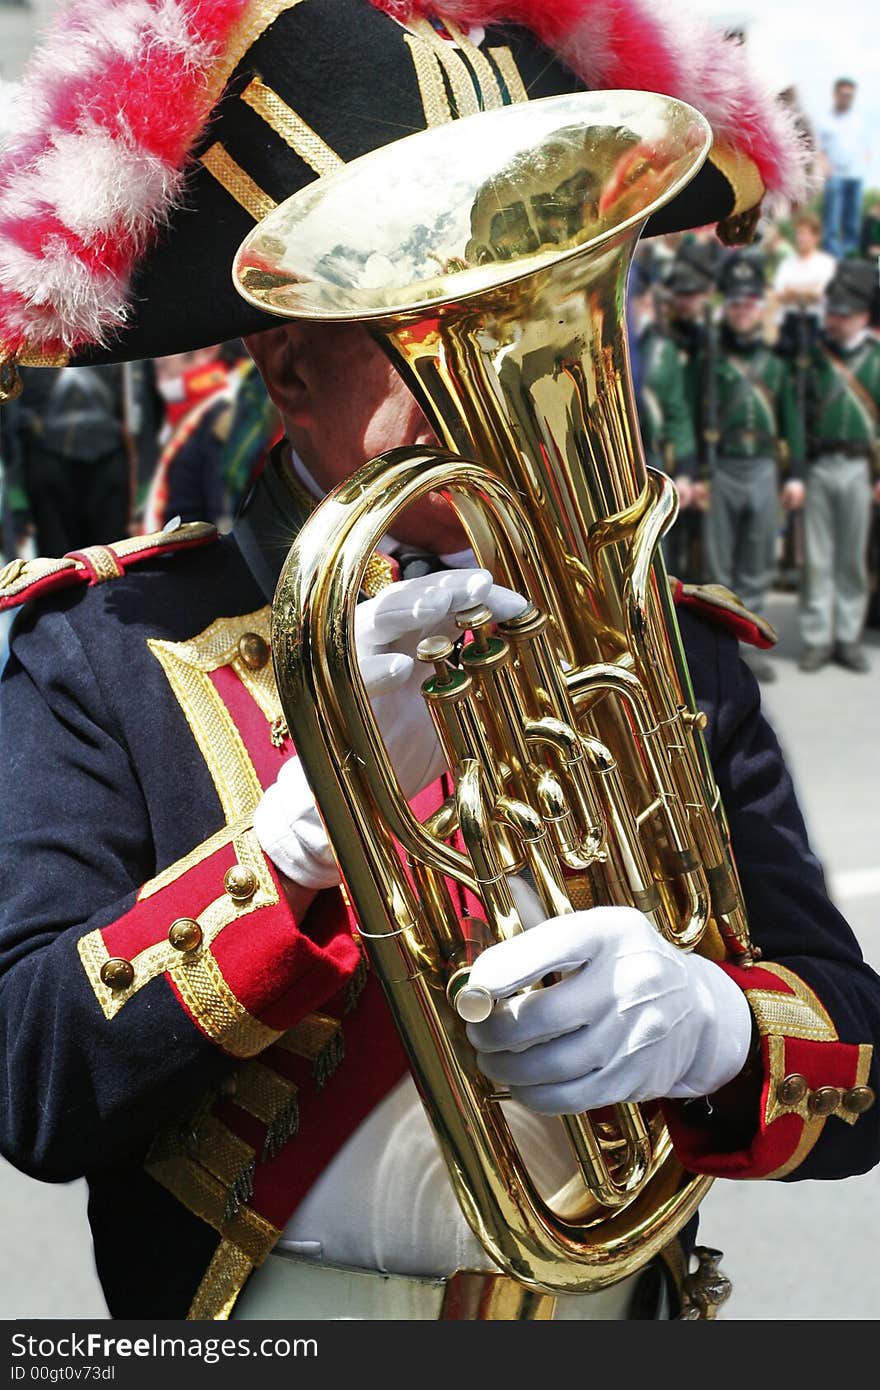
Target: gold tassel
[(318, 1038), (272, 1099)]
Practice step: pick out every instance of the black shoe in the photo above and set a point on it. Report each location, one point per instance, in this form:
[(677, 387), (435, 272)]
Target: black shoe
[(852, 656), (814, 658), (762, 667)]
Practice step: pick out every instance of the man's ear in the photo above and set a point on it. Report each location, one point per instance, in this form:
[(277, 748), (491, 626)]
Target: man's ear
[(277, 353)]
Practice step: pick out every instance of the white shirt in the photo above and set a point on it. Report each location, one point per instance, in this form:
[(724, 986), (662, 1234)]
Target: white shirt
[(804, 273), (841, 138)]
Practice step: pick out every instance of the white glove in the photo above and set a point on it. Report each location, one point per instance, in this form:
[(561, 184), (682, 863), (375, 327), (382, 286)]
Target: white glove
[(635, 1019), (388, 629)]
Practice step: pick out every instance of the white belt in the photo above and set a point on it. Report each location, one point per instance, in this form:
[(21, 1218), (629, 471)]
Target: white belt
[(290, 1288)]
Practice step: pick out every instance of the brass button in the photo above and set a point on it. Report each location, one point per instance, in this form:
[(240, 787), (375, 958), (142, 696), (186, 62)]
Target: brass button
[(253, 650), (240, 883), (792, 1090), (858, 1099), (117, 973), (825, 1100), (185, 934)]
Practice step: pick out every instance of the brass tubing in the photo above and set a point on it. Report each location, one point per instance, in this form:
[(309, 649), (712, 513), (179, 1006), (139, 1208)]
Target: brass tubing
[(694, 919), (586, 1148), (573, 763)]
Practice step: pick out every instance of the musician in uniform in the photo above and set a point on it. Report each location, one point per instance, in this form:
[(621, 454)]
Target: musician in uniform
[(841, 481), (187, 1015), (756, 411)]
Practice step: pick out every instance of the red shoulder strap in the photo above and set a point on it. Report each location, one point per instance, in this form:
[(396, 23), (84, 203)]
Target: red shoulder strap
[(22, 580)]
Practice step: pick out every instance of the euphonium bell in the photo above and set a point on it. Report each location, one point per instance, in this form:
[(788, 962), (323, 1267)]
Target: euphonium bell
[(491, 257)]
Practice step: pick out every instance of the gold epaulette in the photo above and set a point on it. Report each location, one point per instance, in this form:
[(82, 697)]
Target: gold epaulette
[(717, 604), (22, 580)]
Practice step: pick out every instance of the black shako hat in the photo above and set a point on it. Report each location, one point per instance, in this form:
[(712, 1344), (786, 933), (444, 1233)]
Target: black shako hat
[(853, 288), (693, 268), (741, 276), (155, 135)]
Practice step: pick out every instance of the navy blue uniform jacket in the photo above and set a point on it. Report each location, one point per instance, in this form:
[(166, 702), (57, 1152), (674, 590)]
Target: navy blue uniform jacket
[(170, 1031)]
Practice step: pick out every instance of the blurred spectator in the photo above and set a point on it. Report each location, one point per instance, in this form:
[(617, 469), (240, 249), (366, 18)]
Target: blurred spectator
[(774, 244), (72, 438), (198, 390), (800, 282), (869, 242), (842, 148), (254, 428)]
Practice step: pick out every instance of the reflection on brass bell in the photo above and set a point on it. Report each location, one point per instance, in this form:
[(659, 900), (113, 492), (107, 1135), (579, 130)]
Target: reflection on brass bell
[(240, 883), (253, 650), (117, 973), (185, 934)]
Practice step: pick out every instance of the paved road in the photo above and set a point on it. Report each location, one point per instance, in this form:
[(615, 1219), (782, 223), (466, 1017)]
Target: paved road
[(794, 1251)]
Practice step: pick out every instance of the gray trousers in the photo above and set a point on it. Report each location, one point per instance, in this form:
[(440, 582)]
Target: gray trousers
[(837, 519), (741, 527)]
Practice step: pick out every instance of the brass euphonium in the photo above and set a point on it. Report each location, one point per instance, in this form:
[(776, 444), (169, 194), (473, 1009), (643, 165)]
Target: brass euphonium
[(491, 257)]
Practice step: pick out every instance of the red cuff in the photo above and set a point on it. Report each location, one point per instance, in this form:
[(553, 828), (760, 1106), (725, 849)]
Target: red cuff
[(808, 1076), (218, 926)]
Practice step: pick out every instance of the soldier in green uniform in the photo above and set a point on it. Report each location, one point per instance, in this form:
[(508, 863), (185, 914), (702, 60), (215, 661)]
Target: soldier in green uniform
[(688, 287), (664, 407), (755, 409), (844, 422)]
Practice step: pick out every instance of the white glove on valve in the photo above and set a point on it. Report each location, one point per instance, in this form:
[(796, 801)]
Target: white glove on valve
[(635, 1019), (388, 629)]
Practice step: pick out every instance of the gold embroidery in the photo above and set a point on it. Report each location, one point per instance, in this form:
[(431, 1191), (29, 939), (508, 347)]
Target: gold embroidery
[(270, 1098), (228, 1158), (197, 975), (378, 574), (256, 19), (490, 92), (742, 175), (195, 856), (221, 1284), (429, 76), (293, 130), (798, 1015), (187, 666), (811, 1130), (188, 531), (506, 65), (238, 184), (205, 1197), (453, 65), (36, 357), (220, 1014), (320, 1039), (19, 574), (103, 562)]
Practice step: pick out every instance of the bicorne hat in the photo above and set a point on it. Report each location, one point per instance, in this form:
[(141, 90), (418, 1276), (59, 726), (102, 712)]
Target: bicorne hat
[(153, 134)]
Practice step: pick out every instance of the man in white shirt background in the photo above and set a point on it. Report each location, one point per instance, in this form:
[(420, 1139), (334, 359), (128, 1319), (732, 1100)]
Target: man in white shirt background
[(841, 142)]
